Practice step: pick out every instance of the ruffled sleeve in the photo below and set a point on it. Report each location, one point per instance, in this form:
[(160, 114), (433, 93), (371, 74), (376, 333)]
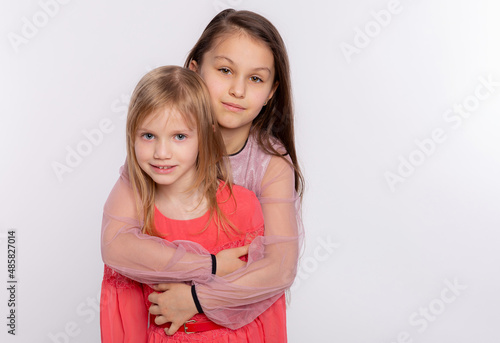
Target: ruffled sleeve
[(272, 263)]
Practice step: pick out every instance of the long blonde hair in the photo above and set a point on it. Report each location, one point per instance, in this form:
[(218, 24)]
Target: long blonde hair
[(184, 91)]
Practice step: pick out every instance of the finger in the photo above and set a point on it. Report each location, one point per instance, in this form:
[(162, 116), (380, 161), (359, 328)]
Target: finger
[(160, 320), (155, 309), (153, 297), (172, 329), (162, 287)]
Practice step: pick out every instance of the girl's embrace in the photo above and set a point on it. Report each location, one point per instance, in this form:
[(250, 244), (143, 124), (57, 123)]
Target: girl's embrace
[(174, 213)]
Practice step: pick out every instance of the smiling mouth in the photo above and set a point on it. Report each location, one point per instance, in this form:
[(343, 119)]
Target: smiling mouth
[(162, 168)]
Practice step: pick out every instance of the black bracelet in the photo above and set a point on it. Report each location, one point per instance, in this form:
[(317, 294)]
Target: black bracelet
[(196, 301), (214, 264)]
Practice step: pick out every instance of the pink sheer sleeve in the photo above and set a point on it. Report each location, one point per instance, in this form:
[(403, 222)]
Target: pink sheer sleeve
[(123, 316), (145, 258), (272, 263)]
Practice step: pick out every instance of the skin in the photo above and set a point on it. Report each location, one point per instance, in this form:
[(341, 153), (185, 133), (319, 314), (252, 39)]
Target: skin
[(239, 72)]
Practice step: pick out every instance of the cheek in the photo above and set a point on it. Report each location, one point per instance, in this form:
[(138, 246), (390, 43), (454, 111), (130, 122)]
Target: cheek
[(190, 151), (140, 151), (214, 85), (263, 95), (215, 90), (194, 151)]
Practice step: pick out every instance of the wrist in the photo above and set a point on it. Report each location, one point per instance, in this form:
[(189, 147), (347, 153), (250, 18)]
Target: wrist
[(214, 264), (195, 299)]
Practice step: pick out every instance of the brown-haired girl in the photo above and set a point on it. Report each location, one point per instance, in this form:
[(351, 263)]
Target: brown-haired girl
[(243, 61)]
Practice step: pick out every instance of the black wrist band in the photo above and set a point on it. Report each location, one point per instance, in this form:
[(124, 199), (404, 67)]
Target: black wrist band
[(196, 301), (214, 264)]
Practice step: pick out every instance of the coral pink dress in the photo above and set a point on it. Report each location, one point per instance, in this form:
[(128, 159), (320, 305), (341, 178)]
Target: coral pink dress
[(125, 316)]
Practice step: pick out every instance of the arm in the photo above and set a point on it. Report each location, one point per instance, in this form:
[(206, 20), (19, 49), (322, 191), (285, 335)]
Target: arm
[(238, 298), (272, 261), (145, 258)]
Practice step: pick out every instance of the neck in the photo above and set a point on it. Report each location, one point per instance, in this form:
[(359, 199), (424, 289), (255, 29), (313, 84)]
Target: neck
[(234, 139), (176, 203)]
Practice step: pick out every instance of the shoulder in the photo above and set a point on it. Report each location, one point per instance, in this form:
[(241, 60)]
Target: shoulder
[(269, 141)]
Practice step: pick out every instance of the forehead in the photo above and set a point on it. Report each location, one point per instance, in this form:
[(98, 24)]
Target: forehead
[(243, 50), (166, 118)]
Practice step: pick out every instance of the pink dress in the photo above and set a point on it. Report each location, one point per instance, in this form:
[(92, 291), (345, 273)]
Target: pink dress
[(246, 215), (254, 291)]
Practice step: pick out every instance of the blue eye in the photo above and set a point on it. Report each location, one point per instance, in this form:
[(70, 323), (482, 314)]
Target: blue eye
[(148, 136), (180, 137), (256, 79)]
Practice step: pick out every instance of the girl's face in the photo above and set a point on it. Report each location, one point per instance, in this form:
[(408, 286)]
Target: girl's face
[(167, 149), (239, 72)]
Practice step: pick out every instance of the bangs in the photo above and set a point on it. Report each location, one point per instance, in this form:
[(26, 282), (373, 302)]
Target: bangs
[(186, 113), (189, 104), (187, 110)]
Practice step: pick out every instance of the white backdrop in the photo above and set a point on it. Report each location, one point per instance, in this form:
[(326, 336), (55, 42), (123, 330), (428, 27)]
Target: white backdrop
[(397, 130)]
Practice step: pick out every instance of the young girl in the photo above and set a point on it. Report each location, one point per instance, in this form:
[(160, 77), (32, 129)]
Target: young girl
[(243, 60)]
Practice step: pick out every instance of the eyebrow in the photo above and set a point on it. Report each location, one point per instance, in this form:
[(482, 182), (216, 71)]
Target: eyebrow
[(232, 62), (176, 130)]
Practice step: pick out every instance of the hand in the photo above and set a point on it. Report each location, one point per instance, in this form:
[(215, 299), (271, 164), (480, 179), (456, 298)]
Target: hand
[(229, 260), (174, 305)]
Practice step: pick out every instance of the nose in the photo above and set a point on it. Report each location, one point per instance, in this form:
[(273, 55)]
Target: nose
[(163, 150), (238, 88)]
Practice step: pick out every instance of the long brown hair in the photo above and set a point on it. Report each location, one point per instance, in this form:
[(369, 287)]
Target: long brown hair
[(185, 91), (275, 120)]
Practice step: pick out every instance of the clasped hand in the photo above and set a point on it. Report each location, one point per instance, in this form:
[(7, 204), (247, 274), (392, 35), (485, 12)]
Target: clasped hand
[(173, 302)]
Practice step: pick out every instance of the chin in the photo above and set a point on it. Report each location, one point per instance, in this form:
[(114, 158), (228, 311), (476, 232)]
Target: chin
[(229, 125)]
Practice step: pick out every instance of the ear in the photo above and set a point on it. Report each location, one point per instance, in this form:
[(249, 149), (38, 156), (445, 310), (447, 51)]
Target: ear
[(271, 93), (193, 65)]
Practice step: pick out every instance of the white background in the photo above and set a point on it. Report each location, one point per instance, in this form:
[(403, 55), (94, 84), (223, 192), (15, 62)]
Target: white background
[(376, 258)]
